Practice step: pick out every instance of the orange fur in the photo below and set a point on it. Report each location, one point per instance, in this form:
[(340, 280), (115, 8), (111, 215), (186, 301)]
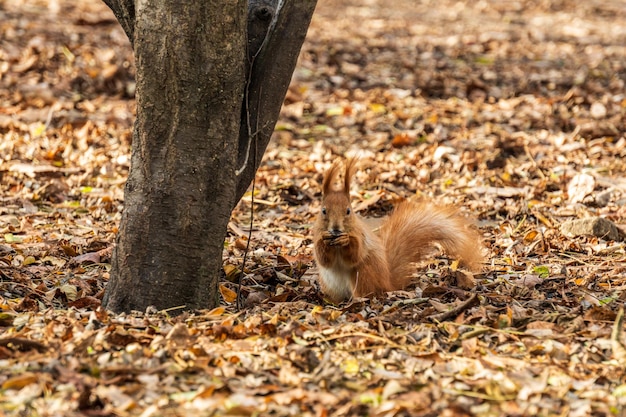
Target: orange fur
[(355, 262)]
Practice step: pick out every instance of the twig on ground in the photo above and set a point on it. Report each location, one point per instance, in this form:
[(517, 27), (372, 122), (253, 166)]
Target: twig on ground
[(470, 302)]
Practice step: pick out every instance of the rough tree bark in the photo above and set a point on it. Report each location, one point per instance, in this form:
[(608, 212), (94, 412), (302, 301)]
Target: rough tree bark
[(269, 73), (211, 78)]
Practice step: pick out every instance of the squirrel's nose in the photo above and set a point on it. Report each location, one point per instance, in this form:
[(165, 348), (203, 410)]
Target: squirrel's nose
[(335, 232)]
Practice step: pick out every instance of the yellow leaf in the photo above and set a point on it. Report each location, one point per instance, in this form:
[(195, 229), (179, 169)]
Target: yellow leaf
[(370, 398), (11, 238), (454, 265), (503, 321), (351, 366), (232, 272), (217, 311), (38, 129), (206, 392), (334, 111), (20, 381), (227, 294), (317, 310), (29, 260), (543, 219), (68, 54), (377, 108), (620, 391), (280, 127), (334, 315), (530, 236)]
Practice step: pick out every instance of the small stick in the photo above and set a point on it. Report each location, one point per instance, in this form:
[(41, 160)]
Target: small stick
[(470, 302), (619, 351)]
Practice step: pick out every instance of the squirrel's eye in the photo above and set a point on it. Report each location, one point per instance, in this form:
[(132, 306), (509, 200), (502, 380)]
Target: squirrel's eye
[(324, 211), (348, 211)]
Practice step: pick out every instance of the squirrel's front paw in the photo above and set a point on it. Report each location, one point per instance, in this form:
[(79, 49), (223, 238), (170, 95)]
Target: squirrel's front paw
[(341, 240), (332, 239)]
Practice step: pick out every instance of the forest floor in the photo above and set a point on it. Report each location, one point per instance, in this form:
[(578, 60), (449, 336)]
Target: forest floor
[(514, 111)]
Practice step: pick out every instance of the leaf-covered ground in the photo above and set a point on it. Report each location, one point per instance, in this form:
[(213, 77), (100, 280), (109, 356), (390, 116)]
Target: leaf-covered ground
[(514, 111)]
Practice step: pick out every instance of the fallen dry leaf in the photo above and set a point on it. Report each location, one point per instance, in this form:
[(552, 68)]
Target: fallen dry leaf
[(580, 187)]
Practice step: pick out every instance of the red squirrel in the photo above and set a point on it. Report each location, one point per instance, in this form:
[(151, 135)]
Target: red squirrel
[(353, 261)]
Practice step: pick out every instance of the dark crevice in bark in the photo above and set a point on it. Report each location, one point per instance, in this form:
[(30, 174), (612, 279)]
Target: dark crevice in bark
[(260, 16)]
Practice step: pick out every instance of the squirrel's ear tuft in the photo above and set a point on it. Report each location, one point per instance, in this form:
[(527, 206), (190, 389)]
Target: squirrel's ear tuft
[(330, 177), (350, 170)]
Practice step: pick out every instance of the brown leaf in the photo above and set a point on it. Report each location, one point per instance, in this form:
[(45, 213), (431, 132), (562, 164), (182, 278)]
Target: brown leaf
[(465, 279), (400, 140), (87, 258), (85, 302), (120, 337), (600, 313), (22, 344)]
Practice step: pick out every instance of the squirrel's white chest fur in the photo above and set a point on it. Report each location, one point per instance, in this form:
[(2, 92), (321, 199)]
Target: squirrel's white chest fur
[(340, 279), (337, 281)]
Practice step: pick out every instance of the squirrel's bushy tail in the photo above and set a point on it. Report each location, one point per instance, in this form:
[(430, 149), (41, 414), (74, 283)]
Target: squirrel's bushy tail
[(412, 230)]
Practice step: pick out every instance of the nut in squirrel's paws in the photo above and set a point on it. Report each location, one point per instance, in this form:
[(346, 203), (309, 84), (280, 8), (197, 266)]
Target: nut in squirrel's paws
[(342, 239)]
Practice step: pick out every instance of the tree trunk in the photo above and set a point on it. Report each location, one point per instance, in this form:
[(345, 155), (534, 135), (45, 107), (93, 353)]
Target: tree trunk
[(268, 78), (198, 137), (181, 187)]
